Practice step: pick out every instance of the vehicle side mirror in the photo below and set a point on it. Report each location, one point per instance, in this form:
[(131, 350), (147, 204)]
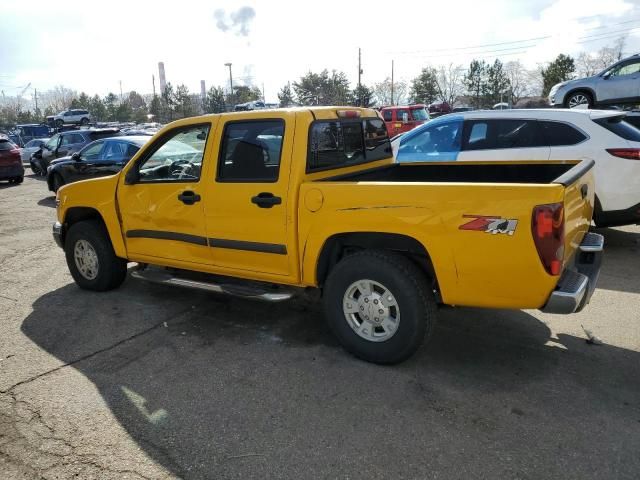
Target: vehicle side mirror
[(607, 75), (132, 177), (76, 157)]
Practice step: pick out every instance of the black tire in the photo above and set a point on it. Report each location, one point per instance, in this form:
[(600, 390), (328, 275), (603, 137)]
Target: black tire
[(18, 180), (84, 121), (59, 123), (111, 270), (35, 168), (405, 281), (56, 182), (579, 98)]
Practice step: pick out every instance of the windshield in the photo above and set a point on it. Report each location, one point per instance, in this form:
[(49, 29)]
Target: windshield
[(419, 114)]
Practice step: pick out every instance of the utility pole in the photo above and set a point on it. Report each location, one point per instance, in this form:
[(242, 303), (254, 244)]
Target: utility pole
[(392, 83), (264, 100), (120, 91), (359, 75), (230, 82), (35, 97), (153, 82)]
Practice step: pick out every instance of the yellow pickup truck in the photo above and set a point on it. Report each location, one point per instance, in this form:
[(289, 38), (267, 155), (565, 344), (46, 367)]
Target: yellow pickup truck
[(274, 203)]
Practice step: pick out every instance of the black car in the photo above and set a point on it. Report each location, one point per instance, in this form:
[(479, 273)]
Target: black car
[(98, 159), (64, 144)]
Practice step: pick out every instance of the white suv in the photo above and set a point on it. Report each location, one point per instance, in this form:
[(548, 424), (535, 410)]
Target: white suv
[(538, 135), (75, 116)]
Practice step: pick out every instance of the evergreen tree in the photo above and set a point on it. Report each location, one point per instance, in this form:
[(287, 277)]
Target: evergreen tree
[(476, 82), (560, 70), (286, 96), (215, 102), (497, 87), (424, 88)]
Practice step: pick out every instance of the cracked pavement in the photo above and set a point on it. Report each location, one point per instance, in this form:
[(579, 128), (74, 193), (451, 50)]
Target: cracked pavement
[(154, 382)]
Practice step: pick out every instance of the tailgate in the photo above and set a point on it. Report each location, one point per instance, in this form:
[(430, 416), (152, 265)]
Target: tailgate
[(579, 201)]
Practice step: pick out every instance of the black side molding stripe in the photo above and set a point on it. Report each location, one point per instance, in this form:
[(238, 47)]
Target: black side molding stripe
[(249, 246), (160, 235)]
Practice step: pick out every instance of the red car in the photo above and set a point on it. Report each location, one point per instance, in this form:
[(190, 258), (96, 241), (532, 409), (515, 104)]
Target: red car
[(402, 119), (10, 163), (439, 108)]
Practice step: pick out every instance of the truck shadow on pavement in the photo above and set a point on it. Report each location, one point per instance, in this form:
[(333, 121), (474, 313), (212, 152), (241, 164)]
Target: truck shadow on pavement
[(211, 387), (621, 262)]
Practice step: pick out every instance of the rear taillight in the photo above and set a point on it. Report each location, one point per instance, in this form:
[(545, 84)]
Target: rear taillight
[(628, 153), (547, 226)]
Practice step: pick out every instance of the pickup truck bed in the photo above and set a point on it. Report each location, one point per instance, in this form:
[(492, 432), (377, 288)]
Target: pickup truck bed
[(462, 172)]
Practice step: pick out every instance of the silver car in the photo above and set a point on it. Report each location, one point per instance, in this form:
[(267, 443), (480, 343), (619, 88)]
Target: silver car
[(32, 146), (616, 85), (74, 116)]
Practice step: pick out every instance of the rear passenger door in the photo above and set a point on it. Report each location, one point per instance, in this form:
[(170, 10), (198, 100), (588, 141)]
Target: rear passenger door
[(246, 202), (504, 139)]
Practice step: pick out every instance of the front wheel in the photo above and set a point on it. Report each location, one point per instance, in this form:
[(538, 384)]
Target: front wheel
[(579, 100), (90, 257), (35, 168), (379, 305), (84, 121)]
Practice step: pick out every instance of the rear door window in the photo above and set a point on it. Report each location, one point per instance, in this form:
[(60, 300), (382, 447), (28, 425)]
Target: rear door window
[(503, 133), (388, 115), (558, 134), (619, 127), (337, 144)]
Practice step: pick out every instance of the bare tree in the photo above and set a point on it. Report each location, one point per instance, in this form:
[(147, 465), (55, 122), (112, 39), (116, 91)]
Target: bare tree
[(588, 64), (523, 82), (382, 92), (57, 99), (450, 82)]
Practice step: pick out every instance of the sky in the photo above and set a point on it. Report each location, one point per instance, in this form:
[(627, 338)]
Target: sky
[(93, 46)]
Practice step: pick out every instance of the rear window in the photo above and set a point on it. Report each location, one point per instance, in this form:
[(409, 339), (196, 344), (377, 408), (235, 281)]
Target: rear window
[(619, 127), (337, 144), (504, 133), (6, 145)]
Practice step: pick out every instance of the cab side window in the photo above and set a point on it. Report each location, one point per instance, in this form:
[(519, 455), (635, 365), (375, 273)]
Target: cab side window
[(403, 115), (177, 156), (388, 115), (250, 151)]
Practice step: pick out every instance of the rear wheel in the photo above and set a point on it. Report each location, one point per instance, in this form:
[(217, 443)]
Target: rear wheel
[(90, 257), (84, 121), (59, 123), (17, 180), (579, 100), (379, 305)]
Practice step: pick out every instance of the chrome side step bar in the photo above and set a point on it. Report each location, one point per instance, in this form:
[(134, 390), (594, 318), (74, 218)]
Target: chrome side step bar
[(237, 290)]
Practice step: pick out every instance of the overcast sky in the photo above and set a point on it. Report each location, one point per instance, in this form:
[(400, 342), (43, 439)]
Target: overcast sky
[(92, 46)]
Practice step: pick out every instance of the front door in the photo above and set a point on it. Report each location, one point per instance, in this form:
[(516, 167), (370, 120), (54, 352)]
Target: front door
[(622, 84), (246, 202), (161, 207)]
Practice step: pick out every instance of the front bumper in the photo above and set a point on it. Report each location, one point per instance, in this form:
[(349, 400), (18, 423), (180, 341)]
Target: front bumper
[(578, 282), (58, 234)]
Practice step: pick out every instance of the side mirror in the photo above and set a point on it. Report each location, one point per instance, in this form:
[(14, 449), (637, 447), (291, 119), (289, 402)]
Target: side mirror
[(607, 75), (132, 177), (76, 157)]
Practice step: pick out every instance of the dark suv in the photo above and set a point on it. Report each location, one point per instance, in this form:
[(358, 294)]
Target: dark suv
[(64, 144)]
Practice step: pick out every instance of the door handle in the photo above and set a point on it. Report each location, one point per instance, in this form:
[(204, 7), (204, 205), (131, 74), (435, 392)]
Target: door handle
[(584, 191), (266, 200), (188, 197)]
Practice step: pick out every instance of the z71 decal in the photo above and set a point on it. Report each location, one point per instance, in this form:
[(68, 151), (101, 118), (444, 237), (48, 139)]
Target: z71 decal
[(490, 224)]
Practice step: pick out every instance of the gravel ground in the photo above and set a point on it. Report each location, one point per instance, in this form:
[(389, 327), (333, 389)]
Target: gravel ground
[(153, 382)]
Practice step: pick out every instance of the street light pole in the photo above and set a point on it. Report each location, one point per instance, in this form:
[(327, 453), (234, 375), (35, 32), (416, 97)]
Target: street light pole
[(230, 82)]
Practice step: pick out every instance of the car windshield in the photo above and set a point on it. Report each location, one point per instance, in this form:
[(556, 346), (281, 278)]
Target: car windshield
[(419, 114)]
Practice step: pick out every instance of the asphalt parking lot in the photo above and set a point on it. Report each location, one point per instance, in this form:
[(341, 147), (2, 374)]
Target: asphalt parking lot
[(150, 381)]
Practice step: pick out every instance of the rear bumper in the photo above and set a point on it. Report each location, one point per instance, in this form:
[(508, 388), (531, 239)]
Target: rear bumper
[(11, 171), (617, 218), (578, 281)]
